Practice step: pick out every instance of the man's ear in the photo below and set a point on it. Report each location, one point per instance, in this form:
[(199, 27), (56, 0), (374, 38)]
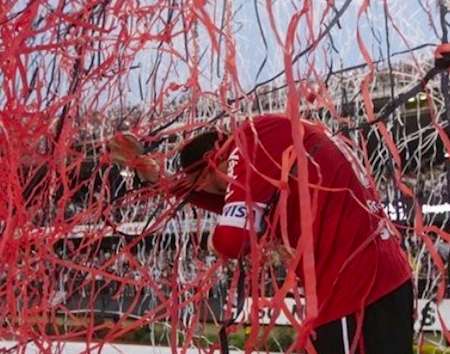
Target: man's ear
[(221, 174), (222, 147)]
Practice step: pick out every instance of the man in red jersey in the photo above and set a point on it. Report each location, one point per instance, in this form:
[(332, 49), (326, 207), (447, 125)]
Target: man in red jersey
[(360, 269)]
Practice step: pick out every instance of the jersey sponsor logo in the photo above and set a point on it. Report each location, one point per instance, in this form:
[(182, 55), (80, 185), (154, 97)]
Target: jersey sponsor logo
[(233, 160), (236, 215), (237, 210)]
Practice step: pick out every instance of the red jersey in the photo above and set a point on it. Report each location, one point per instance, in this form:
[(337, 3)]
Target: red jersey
[(357, 259)]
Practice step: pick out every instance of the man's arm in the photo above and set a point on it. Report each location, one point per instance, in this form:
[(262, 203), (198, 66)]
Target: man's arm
[(127, 151)]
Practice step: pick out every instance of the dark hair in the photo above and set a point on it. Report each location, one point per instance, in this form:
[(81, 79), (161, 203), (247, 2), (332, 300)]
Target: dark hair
[(192, 155)]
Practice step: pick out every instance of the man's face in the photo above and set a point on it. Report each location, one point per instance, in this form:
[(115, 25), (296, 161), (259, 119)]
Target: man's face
[(209, 180)]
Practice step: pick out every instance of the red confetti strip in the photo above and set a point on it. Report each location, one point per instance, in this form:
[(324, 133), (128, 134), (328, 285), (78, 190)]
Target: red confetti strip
[(77, 230)]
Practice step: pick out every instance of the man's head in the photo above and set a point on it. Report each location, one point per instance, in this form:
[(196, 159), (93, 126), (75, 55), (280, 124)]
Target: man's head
[(196, 160)]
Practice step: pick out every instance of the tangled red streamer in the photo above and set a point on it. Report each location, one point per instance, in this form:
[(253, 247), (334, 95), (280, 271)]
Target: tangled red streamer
[(82, 239)]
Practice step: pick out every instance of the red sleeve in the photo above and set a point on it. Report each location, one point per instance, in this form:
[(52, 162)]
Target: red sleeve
[(207, 201), (231, 242), (203, 200), (239, 216)]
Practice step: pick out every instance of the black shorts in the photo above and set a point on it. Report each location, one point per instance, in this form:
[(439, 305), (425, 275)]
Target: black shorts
[(387, 327)]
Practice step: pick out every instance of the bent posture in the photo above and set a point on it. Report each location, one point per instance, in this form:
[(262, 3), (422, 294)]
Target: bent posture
[(362, 273)]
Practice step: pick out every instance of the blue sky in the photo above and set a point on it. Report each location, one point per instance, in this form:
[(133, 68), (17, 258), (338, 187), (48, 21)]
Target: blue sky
[(408, 16)]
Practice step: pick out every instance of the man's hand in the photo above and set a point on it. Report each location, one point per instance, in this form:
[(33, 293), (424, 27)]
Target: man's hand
[(124, 149), (127, 151)]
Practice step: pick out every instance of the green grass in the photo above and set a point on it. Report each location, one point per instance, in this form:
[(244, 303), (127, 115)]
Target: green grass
[(279, 339), (432, 349)]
